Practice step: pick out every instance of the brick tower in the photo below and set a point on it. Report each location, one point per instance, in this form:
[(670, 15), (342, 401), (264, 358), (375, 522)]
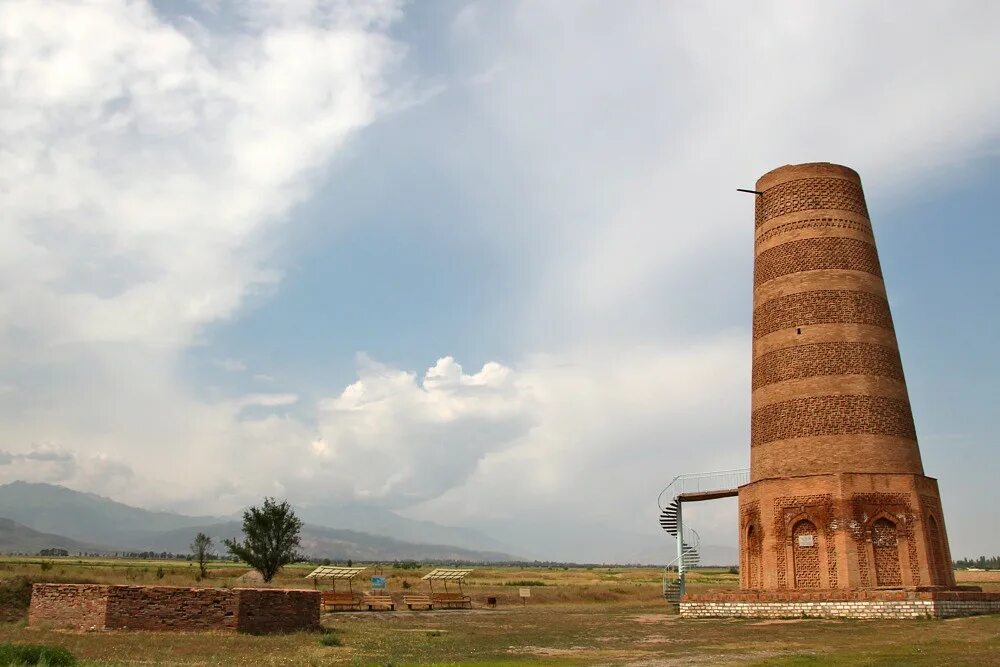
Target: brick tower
[(837, 497)]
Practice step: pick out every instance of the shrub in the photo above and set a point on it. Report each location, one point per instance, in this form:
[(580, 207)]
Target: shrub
[(35, 654), (159, 573), (406, 584), (331, 640), (15, 597), (524, 582), (46, 566)]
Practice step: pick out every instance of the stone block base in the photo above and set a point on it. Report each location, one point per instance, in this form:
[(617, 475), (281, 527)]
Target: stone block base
[(864, 604), (157, 608)]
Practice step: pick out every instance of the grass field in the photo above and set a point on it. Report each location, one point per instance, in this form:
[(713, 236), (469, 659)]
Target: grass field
[(575, 616)]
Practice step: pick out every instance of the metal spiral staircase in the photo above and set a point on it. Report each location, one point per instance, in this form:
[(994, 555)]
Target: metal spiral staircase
[(690, 488)]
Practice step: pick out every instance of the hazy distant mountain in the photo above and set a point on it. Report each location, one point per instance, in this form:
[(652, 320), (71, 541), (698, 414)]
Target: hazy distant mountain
[(93, 519), (379, 521), (86, 516), (16, 538), (336, 544)]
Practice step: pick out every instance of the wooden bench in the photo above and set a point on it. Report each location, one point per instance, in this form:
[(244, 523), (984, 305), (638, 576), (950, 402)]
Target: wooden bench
[(451, 600), (418, 600), (379, 600), (335, 600)]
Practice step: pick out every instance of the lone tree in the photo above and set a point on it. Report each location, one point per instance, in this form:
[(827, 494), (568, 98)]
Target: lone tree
[(270, 537), (201, 548)]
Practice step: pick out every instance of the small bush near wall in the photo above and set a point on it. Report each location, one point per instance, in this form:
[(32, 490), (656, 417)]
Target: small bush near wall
[(34, 654), (15, 596)]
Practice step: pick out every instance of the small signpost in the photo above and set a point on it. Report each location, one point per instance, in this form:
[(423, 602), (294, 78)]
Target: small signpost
[(378, 583), (524, 594)]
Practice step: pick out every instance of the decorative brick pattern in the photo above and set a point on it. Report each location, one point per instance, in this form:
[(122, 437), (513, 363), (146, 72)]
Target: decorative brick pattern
[(805, 559), (831, 415), (886, 549), (157, 608), (810, 193), (937, 543), (751, 531), (819, 509), (821, 307), (813, 254), (839, 358), (814, 223)]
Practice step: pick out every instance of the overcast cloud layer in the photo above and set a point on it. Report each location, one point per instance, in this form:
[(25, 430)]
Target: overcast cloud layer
[(152, 163)]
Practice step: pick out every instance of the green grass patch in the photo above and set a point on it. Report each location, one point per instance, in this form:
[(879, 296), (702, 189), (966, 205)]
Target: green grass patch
[(15, 655)]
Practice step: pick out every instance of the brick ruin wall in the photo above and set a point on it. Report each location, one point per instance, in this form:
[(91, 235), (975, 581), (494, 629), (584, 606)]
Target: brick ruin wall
[(159, 608)]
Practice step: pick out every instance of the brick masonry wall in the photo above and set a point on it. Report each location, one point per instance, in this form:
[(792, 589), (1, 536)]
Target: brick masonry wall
[(77, 606), (277, 610), (169, 608), (816, 253), (835, 358), (159, 608), (831, 415)]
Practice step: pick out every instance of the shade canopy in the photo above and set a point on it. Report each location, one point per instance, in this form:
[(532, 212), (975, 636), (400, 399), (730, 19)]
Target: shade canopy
[(446, 574), (332, 572)]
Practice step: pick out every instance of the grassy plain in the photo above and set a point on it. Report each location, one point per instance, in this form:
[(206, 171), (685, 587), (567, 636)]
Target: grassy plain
[(575, 616)]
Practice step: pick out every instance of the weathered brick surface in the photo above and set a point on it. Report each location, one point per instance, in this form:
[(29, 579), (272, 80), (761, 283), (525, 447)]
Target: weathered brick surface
[(807, 194), (170, 608), (158, 608), (820, 224), (277, 610), (79, 606), (821, 307), (835, 358), (813, 254), (831, 415)]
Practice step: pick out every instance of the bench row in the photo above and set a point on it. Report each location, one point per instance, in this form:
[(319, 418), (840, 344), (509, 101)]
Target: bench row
[(372, 601)]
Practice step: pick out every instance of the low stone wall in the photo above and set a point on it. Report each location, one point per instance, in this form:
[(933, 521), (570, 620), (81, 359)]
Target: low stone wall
[(864, 604), (99, 607), (264, 610), (79, 606), (170, 608)]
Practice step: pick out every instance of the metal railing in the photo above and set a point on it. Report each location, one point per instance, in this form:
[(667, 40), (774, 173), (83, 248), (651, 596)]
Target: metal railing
[(703, 481)]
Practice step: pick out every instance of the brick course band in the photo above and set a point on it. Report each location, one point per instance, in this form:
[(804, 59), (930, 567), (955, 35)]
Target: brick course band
[(838, 358), (817, 253), (821, 307), (813, 223), (809, 193), (831, 415)]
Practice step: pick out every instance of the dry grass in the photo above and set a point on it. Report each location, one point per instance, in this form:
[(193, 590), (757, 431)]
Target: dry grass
[(579, 616)]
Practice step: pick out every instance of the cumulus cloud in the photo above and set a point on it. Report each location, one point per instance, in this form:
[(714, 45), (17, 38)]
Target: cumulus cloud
[(394, 438)]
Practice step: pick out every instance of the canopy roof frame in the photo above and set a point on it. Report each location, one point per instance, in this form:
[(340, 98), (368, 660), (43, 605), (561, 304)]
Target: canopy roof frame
[(335, 573)]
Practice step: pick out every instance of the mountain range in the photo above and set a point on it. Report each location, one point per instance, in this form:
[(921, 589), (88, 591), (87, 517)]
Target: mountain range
[(38, 516)]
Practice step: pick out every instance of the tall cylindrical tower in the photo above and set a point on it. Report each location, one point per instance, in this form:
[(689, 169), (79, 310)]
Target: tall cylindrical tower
[(837, 497)]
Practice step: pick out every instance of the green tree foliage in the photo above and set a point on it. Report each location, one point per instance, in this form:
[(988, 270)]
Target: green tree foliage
[(270, 538), (201, 549)]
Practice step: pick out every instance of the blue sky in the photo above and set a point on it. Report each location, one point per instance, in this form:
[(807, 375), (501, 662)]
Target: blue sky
[(242, 234)]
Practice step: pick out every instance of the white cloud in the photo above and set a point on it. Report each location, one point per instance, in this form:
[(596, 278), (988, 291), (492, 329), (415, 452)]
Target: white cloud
[(143, 166)]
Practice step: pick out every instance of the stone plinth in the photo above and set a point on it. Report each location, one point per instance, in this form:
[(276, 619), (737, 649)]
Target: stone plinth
[(107, 607), (868, 604)]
